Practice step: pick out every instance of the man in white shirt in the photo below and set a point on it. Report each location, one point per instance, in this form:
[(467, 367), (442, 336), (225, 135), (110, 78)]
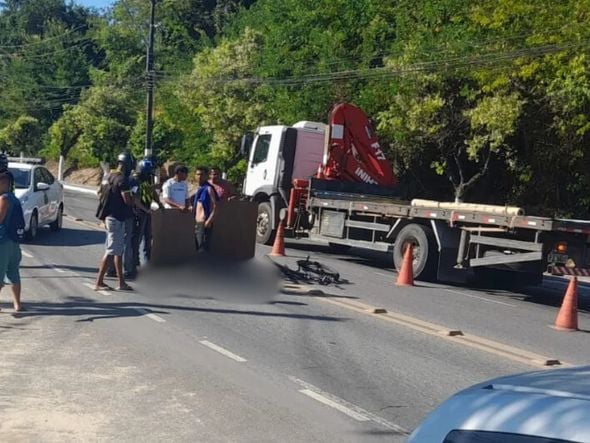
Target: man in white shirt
[(175, 190)]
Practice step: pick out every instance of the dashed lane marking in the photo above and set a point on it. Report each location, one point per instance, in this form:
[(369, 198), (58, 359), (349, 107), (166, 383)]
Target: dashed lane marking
[(57, 269), (333, 404), (223, 351), (27, 254), (465, 294), (149, 315), (353, 411)]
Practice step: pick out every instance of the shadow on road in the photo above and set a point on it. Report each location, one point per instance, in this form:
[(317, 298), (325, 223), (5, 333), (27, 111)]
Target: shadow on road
[(92, 270), (68, 237), (100, 311)]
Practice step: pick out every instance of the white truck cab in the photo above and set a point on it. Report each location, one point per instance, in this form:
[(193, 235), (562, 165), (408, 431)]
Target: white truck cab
[(277, 156)]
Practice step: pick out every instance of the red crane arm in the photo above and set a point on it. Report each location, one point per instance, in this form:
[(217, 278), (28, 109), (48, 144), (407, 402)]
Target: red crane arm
[(353, 150)]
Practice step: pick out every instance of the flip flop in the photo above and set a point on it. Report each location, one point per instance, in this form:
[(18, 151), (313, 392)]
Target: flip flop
[(103, 288), (125, 288)]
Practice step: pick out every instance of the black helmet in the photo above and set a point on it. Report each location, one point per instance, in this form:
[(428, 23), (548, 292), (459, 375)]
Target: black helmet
[(127, 160), (3, 162), (146, 166)]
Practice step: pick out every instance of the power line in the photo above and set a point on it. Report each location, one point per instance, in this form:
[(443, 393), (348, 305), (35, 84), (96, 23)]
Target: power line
[(76, 45), (388, 72), (27, 45)]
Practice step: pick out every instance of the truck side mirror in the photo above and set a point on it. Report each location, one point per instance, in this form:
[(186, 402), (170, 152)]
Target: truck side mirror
[(246, 144)]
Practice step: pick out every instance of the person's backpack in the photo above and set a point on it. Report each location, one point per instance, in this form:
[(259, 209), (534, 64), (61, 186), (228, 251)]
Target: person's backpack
[(13, 226), (103, 210), (16, 230)]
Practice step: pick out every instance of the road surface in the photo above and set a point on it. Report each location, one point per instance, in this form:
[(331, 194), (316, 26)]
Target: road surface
[(187, 357)]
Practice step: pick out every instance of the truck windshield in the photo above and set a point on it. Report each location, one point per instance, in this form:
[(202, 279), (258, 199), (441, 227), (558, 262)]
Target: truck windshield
[(22, 177)]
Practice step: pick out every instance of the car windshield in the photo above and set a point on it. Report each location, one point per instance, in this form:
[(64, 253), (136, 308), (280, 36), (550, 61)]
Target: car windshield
[(22, 177)]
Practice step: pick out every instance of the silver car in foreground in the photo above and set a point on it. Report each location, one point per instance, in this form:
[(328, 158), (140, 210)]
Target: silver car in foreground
[(550, 406)]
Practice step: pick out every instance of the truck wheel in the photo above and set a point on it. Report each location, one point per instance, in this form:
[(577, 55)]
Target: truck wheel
[(264, 232), (425, 251)]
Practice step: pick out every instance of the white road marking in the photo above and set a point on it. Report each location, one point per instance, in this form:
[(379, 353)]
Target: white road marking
[(26, 254), (223, 351), (480, 298), (345, 407), (384, 275), (80, 189), (325, 400), (91, 286), (150, 315), (56, 269)]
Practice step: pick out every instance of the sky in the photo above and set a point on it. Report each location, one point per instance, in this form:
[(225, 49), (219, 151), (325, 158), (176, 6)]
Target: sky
[(96, 3)]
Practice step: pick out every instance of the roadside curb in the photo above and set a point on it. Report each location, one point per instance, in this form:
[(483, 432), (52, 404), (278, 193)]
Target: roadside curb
[(81, 189)]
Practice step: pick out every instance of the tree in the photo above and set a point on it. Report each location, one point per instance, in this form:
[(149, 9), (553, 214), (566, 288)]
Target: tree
[(220, 94), (96, 129), (23, 135)]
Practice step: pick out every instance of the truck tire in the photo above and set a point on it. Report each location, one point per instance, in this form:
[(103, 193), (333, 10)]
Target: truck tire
[(425, 250), (264, 232)]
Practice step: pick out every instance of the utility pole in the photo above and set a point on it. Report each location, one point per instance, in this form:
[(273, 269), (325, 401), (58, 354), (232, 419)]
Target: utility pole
[(149, 117)]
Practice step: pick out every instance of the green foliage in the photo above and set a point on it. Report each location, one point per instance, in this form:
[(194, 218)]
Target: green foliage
[(23, 135), (98, 128), (486, 101)]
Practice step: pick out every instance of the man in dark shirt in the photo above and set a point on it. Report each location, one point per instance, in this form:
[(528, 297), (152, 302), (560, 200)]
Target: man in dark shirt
[(120, 209)]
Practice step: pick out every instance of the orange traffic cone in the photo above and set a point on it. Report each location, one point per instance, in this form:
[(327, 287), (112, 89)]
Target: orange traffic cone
[(406, 274), (278, 247), (567, 318)]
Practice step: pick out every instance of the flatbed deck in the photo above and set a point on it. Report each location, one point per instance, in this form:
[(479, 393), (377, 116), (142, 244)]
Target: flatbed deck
[(390, 207)]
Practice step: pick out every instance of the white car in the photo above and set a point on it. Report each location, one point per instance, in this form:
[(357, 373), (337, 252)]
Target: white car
[(41, 196), (550, 406)]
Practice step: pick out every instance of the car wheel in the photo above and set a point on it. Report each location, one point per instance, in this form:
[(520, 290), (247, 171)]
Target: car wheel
[(57, 224), (264, 232), (33, 227)]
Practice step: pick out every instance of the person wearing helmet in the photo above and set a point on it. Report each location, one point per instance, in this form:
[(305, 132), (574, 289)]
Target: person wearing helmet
[(119, 211), (146, 194)]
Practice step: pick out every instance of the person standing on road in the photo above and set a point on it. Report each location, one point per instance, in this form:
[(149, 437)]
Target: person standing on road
[(204, 205), (118, 210), (143, 201), (175, 190), (10, 253), (224, 189)]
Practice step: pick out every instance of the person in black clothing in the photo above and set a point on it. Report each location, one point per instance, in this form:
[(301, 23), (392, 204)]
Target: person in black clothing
[(119, 210)]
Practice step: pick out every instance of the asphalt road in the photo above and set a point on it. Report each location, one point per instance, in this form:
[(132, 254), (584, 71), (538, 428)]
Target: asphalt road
[(191, 357)]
